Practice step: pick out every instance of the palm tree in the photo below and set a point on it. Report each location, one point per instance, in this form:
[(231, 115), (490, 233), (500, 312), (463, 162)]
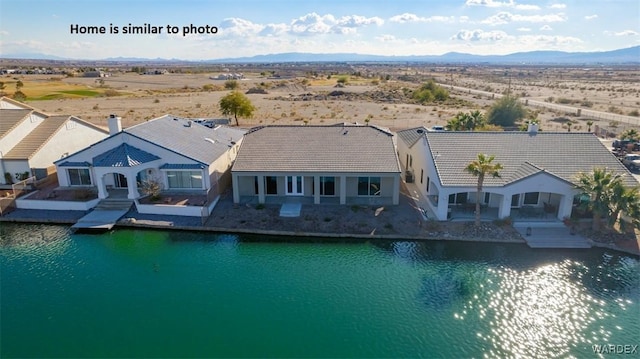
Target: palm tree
[(589, 124), (630, 134), (625, 200), (599, 185), (481, 167)]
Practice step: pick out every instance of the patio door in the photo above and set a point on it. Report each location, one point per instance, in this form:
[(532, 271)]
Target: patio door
[(295, 186), (120, 180)]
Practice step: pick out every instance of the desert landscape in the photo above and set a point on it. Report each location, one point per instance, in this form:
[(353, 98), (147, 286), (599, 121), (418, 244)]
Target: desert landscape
[(318, 94)]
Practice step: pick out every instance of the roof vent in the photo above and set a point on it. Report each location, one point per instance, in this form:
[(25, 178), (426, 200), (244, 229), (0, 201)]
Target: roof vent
[(421, 131), (209, 140), (188, 124), (345, 132)]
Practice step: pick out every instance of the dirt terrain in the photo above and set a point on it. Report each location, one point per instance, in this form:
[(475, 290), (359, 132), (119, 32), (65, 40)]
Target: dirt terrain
[(309, 97)]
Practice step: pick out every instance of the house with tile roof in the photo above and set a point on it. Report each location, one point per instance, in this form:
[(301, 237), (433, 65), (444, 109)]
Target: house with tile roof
[(179, 154), (341, 164), (30, 140), (537, 181)]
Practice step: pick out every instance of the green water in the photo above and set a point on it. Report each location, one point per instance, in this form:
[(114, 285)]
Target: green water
[(176, 294)]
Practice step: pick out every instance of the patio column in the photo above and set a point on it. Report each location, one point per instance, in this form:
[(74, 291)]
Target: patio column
[(132, 187), (102, 189), (565, 207), (505, 206), (260, 189), (234, 185), (343, 189), (316, 189), (396, 189)]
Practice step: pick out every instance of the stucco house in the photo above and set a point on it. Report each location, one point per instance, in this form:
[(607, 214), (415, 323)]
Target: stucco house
[(537, 181), (341, 164), (181, 155), (30, 140)]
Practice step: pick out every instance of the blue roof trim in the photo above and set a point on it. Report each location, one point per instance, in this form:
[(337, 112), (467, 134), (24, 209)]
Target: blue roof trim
[(123, 155), (182, 166), (75, 164)]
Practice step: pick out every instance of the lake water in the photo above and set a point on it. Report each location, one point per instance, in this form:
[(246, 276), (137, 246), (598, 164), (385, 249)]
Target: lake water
[(134, 293)]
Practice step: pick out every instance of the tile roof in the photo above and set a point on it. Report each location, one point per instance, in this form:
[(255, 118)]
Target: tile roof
[(123, 155), (9, 118), (33, 141), (521, 154), (412, 135), (182, 136), (317, 149)]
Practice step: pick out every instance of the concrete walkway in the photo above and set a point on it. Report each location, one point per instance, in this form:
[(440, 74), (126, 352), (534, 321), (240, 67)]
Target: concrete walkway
[(550, 235)]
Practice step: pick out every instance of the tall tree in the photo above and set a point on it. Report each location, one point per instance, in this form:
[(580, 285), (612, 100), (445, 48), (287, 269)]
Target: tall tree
[(625, 201), (506, 111), (236, 104), (599, 185), (481, 167)]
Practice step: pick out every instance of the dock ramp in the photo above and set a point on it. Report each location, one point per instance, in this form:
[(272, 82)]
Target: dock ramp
[(104, 216)]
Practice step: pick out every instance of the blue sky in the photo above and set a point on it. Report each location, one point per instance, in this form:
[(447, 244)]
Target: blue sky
[(251, 27)]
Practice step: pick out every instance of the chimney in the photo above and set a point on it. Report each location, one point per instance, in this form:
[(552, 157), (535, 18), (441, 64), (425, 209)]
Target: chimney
[(115, 124), (532, 128)]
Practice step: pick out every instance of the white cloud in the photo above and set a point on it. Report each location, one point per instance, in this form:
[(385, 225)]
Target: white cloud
[(488, 3), (274, 30), (591, 17), (558, 6), (496, 4), (524, 29), (479, 35), (546, 28), (239, 27), (4, 33), (505, 17), (547, 41), (527, 7), (622, 33), (408, 17), (314, 24), (386, 38), (464, 19)]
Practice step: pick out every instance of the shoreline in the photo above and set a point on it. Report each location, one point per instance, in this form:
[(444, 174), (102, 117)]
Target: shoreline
[(149, 224)]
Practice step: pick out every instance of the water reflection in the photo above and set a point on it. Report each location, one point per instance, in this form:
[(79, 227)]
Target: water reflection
[(33, 240)]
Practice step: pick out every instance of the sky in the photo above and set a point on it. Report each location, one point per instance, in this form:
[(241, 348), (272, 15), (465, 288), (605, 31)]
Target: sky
[(252, 27)]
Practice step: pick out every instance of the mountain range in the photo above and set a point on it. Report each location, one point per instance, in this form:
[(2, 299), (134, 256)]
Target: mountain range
[(629, 55)]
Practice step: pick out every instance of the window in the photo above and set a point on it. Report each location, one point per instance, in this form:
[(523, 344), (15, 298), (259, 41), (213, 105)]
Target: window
[(327, 186), (458, 198), (487, 197), (421, 175), (79, 177), (515, 200), (531, 198), (428, 181), (368, 186), (271, 184), (185, 179)]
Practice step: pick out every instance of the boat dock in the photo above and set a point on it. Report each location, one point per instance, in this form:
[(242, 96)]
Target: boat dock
[(104, 216), (550, 235)]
